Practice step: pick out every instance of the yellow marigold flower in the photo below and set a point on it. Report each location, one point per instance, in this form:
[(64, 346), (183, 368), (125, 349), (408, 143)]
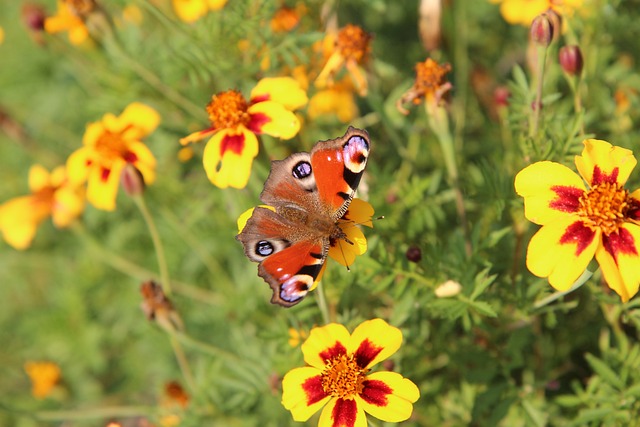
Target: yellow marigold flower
[(44, 376), (192, 10), (52, 194), (523, 12), (296, 336), (578, 222), (108, 146), (235, 123), (338, 100), (70, 17), (430, 85), (349, 48), (338, 377)]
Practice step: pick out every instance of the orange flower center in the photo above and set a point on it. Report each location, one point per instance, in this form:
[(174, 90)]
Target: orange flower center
[(80, 8), (111, 145), (430, 76), (342, 377), (353, 43), (228, 110), (604, 207)]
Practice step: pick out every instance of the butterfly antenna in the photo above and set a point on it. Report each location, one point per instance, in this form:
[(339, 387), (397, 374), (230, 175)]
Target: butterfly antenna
[(344, 257)]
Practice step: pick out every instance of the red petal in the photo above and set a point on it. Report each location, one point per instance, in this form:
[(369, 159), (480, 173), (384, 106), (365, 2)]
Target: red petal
[(375, 392), (232, 142), (344, 413), (130, 157), (568, 199), (599, 177), (579, 234), (313, 389), (260, 98), (366, 353), (257, 121), (634, 210), (619, 243), (337, 350)]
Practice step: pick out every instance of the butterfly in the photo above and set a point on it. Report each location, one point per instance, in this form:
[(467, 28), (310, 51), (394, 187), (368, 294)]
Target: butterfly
[(306, 194)]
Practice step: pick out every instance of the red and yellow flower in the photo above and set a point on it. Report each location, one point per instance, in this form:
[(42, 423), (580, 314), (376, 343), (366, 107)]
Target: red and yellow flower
[(523, 12), (192, 10), (70, 16), (108, 146), (52, 194), (338, 377), (601, 219), (235, 123)]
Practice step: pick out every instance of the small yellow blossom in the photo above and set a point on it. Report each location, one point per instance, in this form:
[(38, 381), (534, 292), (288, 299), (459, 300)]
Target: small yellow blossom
[(70, 16), (192, 10), (44, 376), (523, 12)]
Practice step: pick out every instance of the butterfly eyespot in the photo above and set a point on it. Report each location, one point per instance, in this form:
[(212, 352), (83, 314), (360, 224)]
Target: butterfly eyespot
[(301, 170), (264, 248)]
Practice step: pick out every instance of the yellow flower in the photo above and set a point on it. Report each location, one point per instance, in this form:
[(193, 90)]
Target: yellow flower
[(44, 376), (235, 123), (296, 335), (524, 11), (70, 17), (52, 194), (349, 48), (338, 377), (578, 222), (429, 86), (192, 10), (108, 146), (338, 100)]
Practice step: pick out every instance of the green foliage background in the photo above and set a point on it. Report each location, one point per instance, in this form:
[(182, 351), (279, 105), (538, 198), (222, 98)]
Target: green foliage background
[(496, 354)]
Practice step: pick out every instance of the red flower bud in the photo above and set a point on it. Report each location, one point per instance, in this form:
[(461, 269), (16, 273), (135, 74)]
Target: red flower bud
[(570, 59), (501, 96), (414, 254), (132, 181), (33, 16), (542, 30)]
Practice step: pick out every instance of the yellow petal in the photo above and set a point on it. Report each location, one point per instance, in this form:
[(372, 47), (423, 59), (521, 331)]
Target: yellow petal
[(228, 157), (345, 253), (325, 342), (143, 118), (522, 12), (325, 78), (283, 90), (18, 223), (38, 178), (359, 212), (600, 161), (342, 413), (373, 341), (388, 396), (302, 392), (332, 101), (190, 10), (562, 263), (68, 204), (58, 176), (144, 161), (78, 34), (622, 272), (550, 191), (273, 119), (78, 166), (244, 217), (102, 186), (216, 4)]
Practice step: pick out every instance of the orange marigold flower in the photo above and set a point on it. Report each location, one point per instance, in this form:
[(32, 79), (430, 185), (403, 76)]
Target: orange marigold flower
[(578, 222), (430, 85), (52, 194), (523, 12), (109, 145), (176, 393), (70, 16), (349, 48), (192, 10), (338, 377), (235, 123), (287, 18), (44, 376)]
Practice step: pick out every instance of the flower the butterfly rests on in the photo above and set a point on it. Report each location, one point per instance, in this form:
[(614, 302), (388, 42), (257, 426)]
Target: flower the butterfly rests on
[(308, 198), (579, 223), (338, 377)]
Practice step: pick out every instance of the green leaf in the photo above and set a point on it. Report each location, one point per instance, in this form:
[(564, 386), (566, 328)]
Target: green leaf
[(604, 371)]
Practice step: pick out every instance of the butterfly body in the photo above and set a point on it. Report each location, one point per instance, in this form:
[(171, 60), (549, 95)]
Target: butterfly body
[(307, 193)]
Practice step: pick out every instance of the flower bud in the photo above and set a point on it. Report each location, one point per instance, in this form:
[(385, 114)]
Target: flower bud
[(448, 289), (33, 16), (570, 59), (414, 254), (542, 30), (501, 96), (132, 181)]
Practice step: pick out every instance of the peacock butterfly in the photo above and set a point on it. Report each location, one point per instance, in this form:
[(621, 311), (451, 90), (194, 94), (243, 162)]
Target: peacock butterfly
[(307, 193)]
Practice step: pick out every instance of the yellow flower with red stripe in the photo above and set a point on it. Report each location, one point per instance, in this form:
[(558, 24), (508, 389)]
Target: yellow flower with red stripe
[(601, 219), (108, 146), (51, 195), (229, 154), (70, 16), (338, 377)]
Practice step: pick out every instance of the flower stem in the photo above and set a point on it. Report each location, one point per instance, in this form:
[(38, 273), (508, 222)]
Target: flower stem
[(534, 124), (322, 303)]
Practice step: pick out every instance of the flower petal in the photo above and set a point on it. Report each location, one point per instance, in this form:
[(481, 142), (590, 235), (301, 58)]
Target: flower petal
[(228, 157), (78, 165), (550, 191), (561, 251), (373, 341), (216, 4), (302, 392), (103, 184), (273, 119), (345, 253), (143, 160), (342, 413), (519, 12), (602, 162), (18, 224), (619, 260), (190, 10), (360, 212), (283, 90), (39, 178), (324, 343), (137, 120), (388, 396), (68, 204)]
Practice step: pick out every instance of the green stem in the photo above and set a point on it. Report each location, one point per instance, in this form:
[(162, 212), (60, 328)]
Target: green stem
[(322, 303), (182, 361), (534, 124), (559, 294), (205, 348), (157, 244)]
